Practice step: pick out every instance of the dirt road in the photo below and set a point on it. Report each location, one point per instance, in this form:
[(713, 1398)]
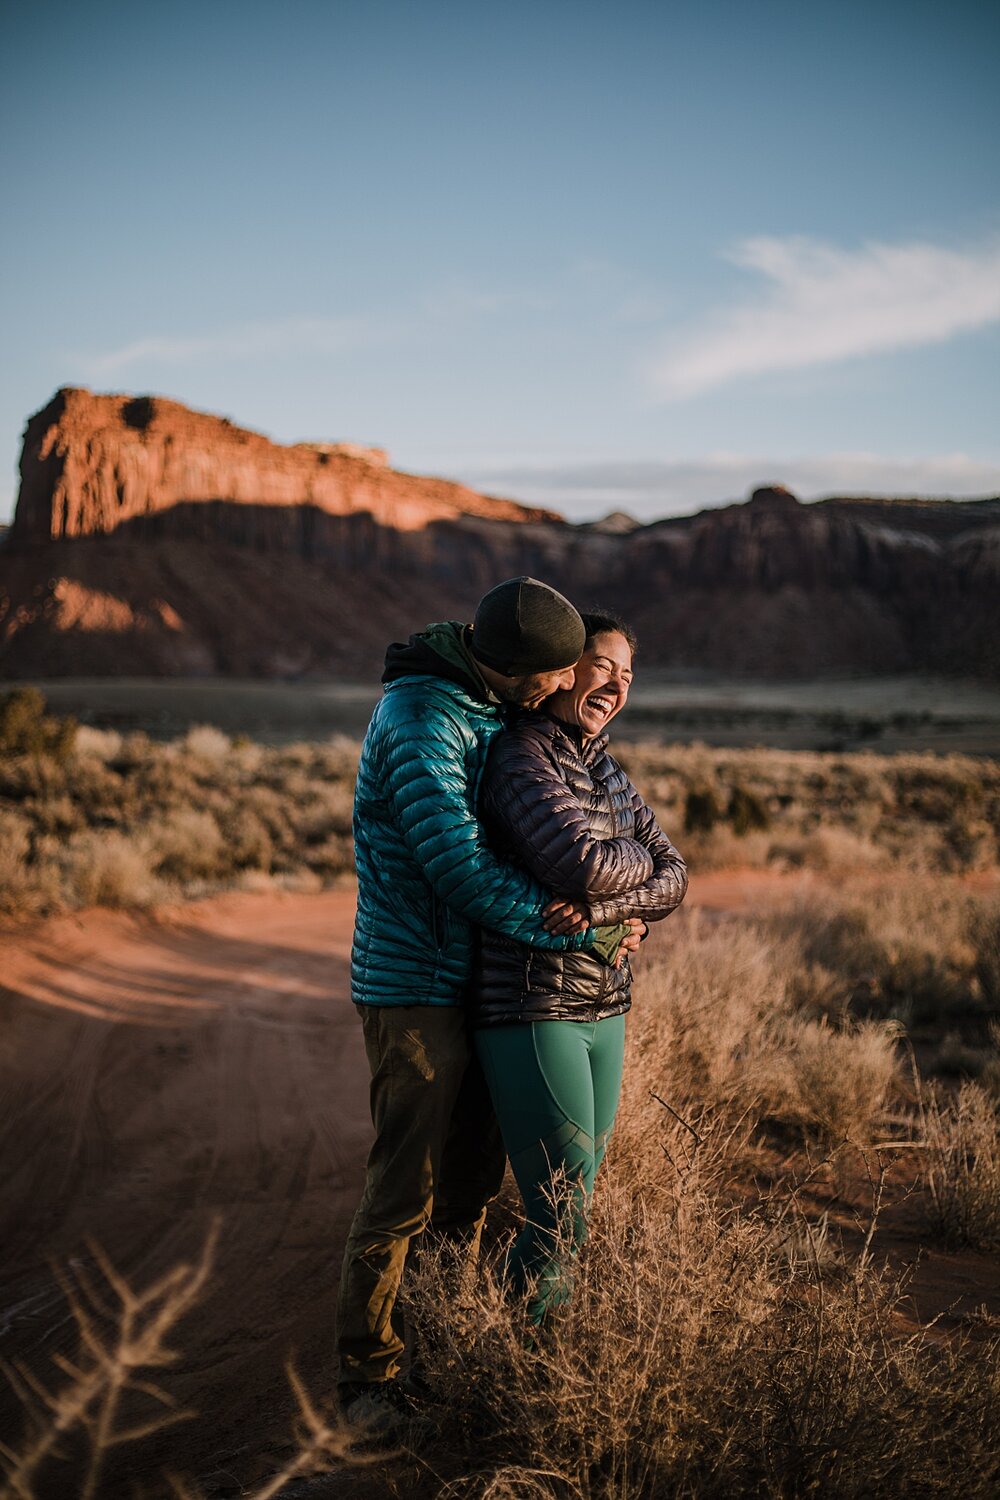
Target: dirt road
[(154, 1073)]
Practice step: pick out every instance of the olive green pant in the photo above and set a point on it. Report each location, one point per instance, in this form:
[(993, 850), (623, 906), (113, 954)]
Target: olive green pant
[(436, 1161), (555, 1085)]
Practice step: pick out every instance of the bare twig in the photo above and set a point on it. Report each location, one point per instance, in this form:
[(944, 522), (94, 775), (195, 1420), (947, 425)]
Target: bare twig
[(105, 1368), (699, 1140)]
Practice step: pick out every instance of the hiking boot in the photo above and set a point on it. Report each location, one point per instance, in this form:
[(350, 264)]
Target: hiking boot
[(379, 1409), (415, 1382)]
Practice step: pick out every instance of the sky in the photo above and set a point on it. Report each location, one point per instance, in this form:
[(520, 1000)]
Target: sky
[(640, 255)]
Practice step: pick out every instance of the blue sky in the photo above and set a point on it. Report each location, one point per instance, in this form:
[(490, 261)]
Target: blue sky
[(639, 255)]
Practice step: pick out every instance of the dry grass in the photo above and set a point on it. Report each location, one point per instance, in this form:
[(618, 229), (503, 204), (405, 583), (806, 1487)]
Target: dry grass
[(108, 869), (206, 811), (699, 1357), (128, 822), (962, 1166), (722, 1021), (824, 811), (721, 1341), (900, 947)]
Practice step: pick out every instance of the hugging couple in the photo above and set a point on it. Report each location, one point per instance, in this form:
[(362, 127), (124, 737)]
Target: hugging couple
[(506, 868)]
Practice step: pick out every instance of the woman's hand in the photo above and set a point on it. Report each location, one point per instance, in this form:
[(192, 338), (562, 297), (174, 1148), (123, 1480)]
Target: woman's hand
[(565, 917), (630, 944)]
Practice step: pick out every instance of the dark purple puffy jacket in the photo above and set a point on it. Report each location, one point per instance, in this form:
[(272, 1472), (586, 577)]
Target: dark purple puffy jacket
[(562, 808)]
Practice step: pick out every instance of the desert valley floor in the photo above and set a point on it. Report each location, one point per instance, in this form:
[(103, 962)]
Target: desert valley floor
[(157, 1071)]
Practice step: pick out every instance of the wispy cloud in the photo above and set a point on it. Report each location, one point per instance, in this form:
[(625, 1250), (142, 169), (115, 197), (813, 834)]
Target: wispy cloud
[(449, 306), (652, 490), (247, 340), (823, 304)]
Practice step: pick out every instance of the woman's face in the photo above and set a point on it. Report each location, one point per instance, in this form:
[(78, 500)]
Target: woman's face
[(602, 678)]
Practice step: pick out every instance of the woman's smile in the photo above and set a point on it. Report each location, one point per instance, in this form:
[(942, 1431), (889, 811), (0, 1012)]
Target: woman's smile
[(601, 681)]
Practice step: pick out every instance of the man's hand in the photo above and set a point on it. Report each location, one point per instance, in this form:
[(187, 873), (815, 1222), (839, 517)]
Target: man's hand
[(630, 943), (565, 917)]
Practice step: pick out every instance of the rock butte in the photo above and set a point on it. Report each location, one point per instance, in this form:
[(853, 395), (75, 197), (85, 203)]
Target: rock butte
[(152, 539), (92, 462)]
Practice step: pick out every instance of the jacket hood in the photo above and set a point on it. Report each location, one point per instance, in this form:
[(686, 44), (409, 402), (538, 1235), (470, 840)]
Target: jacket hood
[(442, 650)]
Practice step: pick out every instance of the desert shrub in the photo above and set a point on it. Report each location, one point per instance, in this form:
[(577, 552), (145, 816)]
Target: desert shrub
[(955, 1057), (186, 845), (112, 1393), (837, 851), (108, 869), (58, 814), (103, 797), (701, 810), (202, 811), (136, 750), (207, 742), (989, 1073), (247, 755), (971, 844), (102, 744), (328, 809), (709, 1000), (273, 811), (339, 758), (15, 844), (246, 839), (746, 812), (722, 1023), (694, 1359), (335, 856), (167, 780), (836, 1084), (289, 810), (722, 849), (962, 1166), (913, 948), (29, 886), (984, 934), (922, 812), (28, 778), (26, 729), (715, 1346)]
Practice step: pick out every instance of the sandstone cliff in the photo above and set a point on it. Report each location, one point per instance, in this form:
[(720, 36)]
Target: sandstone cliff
[(151, 539), (91, 463)]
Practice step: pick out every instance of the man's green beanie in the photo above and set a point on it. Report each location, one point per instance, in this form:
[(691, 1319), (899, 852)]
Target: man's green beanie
[(524, 626)]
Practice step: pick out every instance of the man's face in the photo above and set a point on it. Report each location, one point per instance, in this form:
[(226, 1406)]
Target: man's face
[(530, 692)]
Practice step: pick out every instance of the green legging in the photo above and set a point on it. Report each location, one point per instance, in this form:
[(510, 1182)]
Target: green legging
[(555, 1087)]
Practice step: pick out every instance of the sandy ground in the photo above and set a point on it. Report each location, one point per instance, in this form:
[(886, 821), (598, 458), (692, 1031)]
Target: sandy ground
[(156, 1071), (153, 1073)]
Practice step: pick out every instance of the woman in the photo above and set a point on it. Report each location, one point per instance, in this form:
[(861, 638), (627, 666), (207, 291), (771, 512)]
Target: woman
[(550, 1027)]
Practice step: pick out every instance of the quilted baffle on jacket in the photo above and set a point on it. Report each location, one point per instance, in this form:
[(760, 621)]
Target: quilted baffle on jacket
[(564, 809), (426, 875)]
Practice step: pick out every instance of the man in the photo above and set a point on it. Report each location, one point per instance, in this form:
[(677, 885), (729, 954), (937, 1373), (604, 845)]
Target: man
[(426, 880)]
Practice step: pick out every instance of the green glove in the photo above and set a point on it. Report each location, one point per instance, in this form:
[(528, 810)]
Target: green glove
[(607, 942)]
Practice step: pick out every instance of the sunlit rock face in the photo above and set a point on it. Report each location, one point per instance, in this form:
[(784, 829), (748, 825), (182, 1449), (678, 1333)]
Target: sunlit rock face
[(153, 539), (91, 463)]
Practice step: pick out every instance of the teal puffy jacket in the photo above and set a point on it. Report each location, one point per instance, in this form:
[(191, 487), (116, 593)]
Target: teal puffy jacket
[(426, 876)]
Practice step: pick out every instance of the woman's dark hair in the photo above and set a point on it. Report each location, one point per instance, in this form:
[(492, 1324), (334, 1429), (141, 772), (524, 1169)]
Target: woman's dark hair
[(603, 622)]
